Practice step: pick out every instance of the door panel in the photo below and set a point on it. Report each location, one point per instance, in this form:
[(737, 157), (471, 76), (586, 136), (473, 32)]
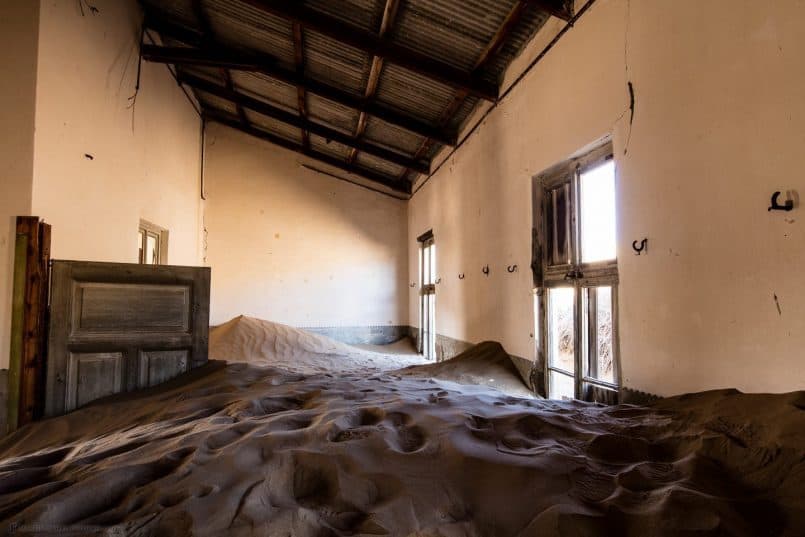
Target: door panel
[(160, 366), (109, 307), (91, 375), (119, 327)]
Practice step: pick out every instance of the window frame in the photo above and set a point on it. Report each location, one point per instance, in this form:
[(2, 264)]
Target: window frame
[(580, 276), (427, 288), (148, 228)]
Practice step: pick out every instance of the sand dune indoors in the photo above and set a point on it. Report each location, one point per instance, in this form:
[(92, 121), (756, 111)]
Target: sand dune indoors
[(241, 449)]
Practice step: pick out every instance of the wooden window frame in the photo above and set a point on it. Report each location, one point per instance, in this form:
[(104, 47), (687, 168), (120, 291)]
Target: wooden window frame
[(162, 234), (427, 288), (576, 274)]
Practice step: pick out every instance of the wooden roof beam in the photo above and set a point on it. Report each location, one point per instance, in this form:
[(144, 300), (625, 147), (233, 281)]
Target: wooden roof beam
[(207, 37), (301, 95), (514, 16), (261, 107), (268, 65), (389, 14), (378, 46)]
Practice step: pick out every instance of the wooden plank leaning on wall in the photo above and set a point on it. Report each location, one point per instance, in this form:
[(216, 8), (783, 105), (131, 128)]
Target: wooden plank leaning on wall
[(26, 373)]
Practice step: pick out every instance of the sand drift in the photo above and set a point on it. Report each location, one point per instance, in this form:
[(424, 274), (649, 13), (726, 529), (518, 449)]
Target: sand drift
[(237, 449)]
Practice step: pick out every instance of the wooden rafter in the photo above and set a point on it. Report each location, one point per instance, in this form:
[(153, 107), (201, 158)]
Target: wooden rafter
[(375, 45), (388, 182), (514, 16), (301, 95), (389, 14), (261, 107), (207, 37), (235, 60)]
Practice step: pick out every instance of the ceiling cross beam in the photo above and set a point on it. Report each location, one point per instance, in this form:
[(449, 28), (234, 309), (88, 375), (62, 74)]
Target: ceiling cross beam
[(389, 14), (262, 107), (301, 94), (231, 122), (514, 16), (268, 65), (207, 37), (375, 45)]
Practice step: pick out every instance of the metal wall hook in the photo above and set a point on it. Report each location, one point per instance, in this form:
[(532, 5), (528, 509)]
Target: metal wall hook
[(461, 276), (775, 204), (641, 248), (413, 285), (485, 270), (438, 281), (511, 268)]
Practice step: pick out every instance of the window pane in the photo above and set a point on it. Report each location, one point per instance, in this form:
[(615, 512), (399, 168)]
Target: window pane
[(432, 326), (140, 246), (432, 263), (561, 333), (426, 266), (151, 250), (560, 220), (561, 386), (598, 213), (606, 368)]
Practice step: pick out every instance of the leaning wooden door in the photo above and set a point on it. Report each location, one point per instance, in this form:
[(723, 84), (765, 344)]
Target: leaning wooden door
[(120, 327)]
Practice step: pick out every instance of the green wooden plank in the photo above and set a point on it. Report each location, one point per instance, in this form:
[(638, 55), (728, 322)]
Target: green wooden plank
[(17, 322)]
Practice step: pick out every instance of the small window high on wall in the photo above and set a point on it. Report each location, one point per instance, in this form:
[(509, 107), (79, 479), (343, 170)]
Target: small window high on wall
[(576, 275), (152, 244), (427, 295)]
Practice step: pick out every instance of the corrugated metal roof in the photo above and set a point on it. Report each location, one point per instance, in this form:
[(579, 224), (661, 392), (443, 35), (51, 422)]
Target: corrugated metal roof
[(332, 114), (453, 33), (339, 64), (413, 94), (383, 167), (241, 26), (395, 138), (271, 90), (363, 14), (328, 147), (283, 130)]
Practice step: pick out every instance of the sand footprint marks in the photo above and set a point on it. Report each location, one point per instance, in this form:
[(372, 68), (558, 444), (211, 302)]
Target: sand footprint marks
[(396, 428)]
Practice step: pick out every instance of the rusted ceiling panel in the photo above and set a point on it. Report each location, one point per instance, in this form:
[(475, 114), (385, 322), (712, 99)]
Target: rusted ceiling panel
[(331, 114), (413, 94), (241, 26), (523, 32), (328, 147), (273, 126), (266, 89), (214, 103), (454, 31), (392, 137), (368, 162), (465, 112), (363, 14), (339, 64)]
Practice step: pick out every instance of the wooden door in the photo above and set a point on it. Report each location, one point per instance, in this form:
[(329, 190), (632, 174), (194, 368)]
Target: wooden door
[(120, 327)]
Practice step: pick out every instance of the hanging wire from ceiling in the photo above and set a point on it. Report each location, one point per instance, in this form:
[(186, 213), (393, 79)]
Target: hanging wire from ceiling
[(133, 98)]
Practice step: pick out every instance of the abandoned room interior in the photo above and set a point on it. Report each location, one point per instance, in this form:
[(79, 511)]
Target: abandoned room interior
[(495, 268)]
